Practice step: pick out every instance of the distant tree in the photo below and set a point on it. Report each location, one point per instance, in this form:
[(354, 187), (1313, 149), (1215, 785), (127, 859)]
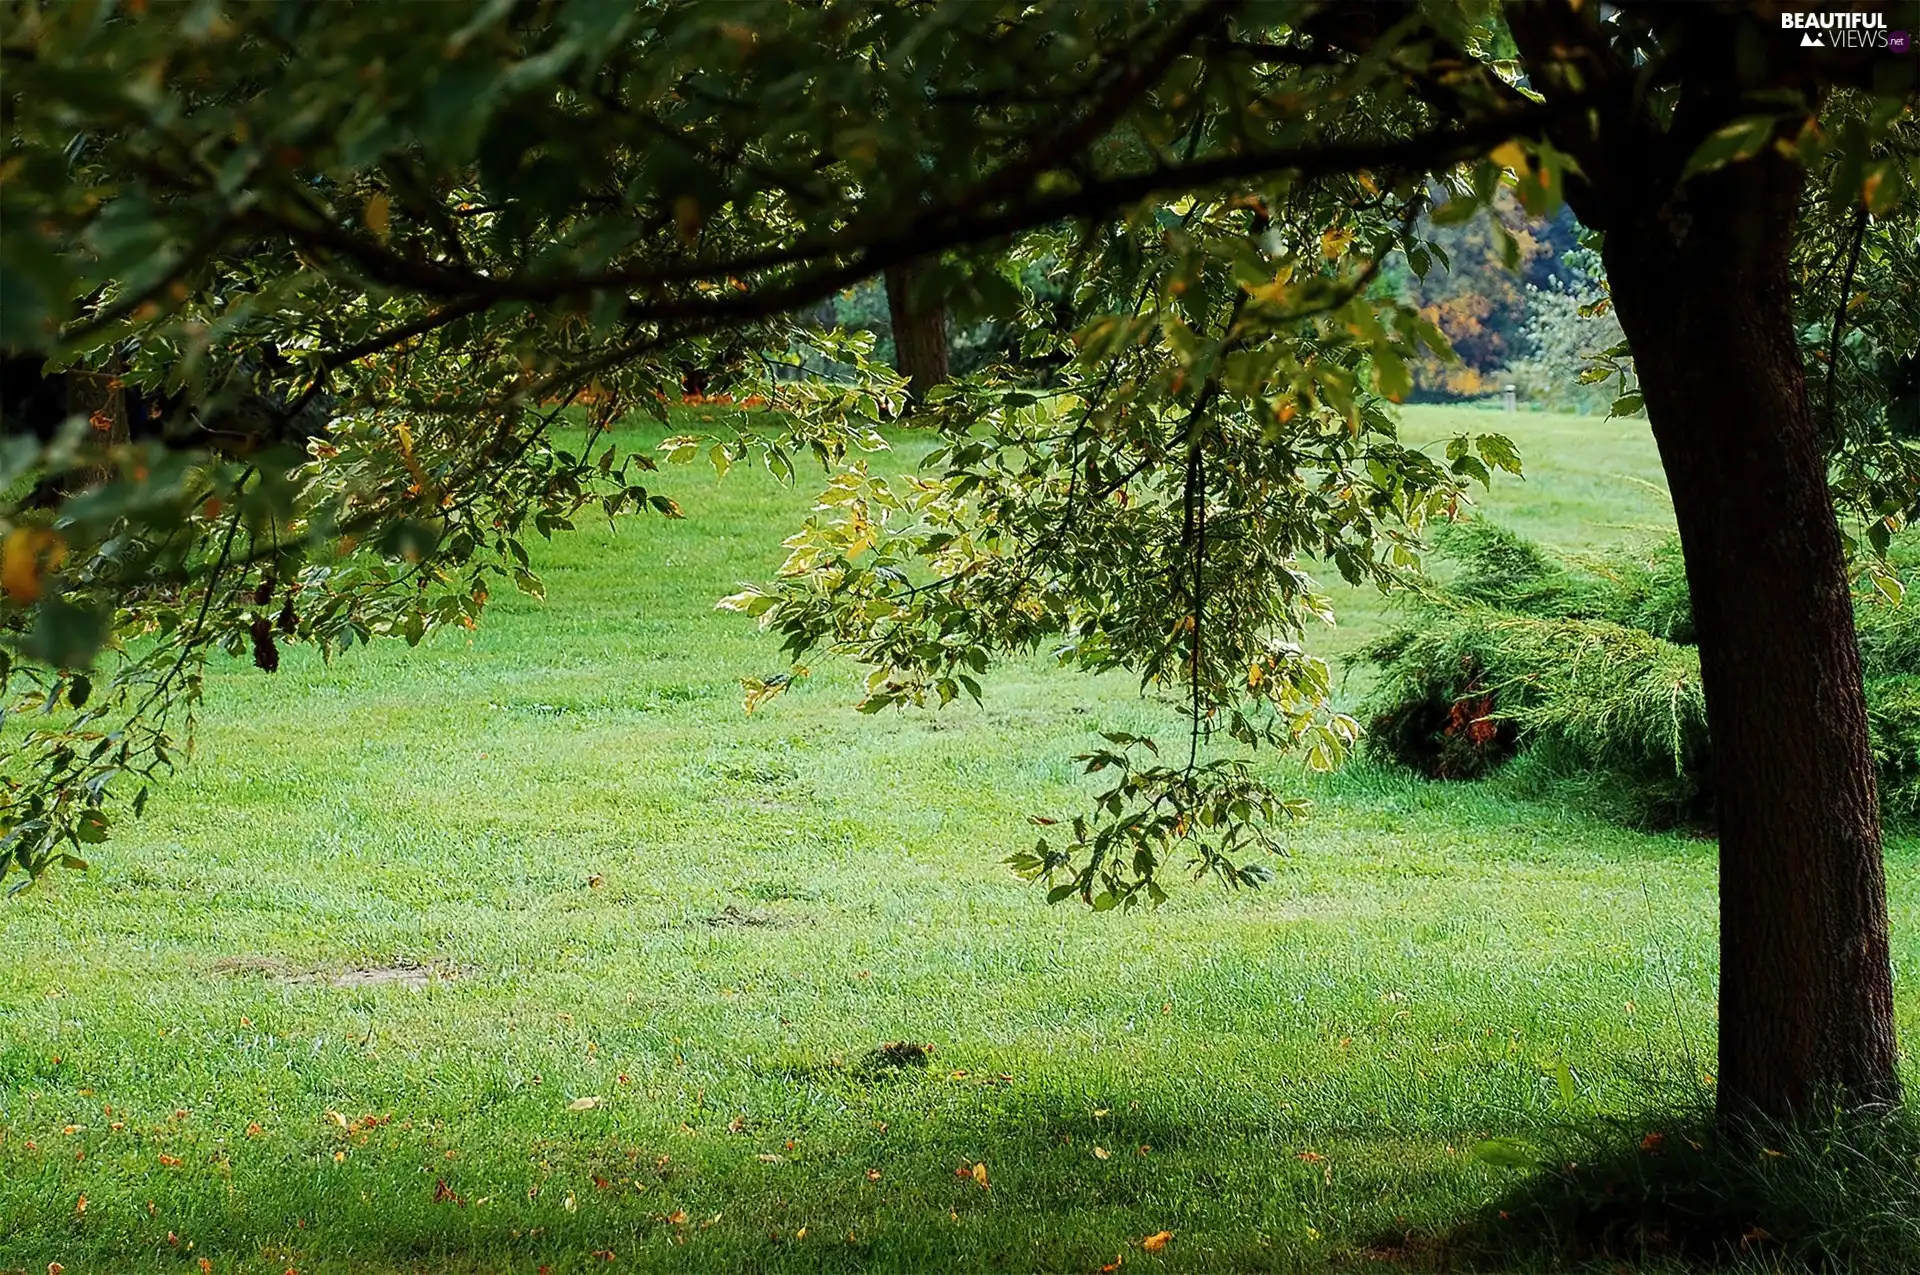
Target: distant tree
[(1568, 330), (449, 223), (1474, 285), (919, 330)]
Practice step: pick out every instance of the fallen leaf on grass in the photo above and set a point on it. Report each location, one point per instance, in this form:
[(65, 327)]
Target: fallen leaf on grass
[(603, 1254), (1114, 1265), (80, 1205), (873, 1175), (1100, 1153), (767, 1157), (980, 1174), (1157, 1241), (170, 1161), (583, 1104)]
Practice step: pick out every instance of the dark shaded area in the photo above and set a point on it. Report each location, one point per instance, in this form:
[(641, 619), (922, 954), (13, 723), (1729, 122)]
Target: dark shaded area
[(249, 411), (1840, 1193)]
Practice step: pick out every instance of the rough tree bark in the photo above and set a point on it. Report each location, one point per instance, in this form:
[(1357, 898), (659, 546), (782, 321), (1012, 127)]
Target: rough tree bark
[(1700, 280), (919, 332)]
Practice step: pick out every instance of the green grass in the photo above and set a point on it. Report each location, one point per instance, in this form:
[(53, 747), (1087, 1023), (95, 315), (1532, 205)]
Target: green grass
[(1285, 1079)]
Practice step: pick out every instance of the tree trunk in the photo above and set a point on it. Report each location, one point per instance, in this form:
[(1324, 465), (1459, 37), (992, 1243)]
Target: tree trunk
[(1700, 279), (919, 332)]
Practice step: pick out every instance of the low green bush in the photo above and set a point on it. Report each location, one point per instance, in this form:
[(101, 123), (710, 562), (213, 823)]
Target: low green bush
[(1893, 721), (1587, 667)]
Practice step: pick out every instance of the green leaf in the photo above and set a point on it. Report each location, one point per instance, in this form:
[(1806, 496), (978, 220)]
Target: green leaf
[(1499, 451), (1507, 1153), (1739, 140), (1563, 1077), (1390, 373)]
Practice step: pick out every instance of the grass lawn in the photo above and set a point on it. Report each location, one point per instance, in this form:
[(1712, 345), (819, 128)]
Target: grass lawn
[(530, 953)]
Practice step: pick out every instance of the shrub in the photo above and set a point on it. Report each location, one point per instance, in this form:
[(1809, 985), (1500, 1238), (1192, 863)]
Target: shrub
[(1893, 720), (1587, 667), (1472, 684), (1642, 590)]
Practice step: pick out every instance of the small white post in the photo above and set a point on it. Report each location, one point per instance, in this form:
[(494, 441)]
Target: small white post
[(1510, 398)]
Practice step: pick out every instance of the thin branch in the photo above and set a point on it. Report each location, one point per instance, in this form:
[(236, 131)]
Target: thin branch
[(1840, 318)]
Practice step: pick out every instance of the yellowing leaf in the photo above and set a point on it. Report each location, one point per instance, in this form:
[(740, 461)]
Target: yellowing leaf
[(376, 213), (1510, 155), (1157, 1241), (980, 1174), (337, 1118), (29, 553), (1100, 1153), (687, 217), (583, 1104)]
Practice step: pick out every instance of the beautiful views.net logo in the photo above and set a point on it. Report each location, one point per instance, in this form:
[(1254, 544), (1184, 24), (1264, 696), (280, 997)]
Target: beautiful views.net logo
[(1849, 30)]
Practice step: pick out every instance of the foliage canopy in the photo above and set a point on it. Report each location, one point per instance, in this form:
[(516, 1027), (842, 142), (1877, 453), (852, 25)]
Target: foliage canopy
[(359, 259)]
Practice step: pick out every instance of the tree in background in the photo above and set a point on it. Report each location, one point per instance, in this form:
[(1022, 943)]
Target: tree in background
[(1476, 282), (1567, 333), (919, 326), (445, 226)]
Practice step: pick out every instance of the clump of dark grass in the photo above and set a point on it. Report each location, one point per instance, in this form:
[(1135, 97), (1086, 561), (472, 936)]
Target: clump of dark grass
[(1836, 1193), (1585, 666)]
